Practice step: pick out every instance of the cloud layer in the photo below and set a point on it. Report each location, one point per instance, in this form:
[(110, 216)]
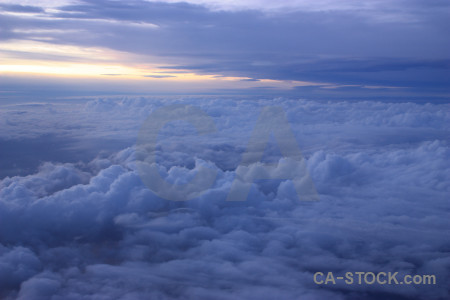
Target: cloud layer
[(90, 229), (350, 45)]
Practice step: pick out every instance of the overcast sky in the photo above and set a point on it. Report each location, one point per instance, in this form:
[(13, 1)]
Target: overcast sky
[(390, 48)]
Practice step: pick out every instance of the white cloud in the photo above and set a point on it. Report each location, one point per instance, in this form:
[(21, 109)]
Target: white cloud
[(303, 5)]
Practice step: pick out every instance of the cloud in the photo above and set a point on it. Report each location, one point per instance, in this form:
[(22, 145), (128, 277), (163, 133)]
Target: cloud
[(386, 44), (159, 76), (21, 8), (91, 229), (112, 74), (17, 265)]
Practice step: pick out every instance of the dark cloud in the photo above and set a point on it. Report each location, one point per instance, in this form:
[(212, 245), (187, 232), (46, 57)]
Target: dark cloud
[(408, 73), (159, 76), (250, 79), (21, 8)]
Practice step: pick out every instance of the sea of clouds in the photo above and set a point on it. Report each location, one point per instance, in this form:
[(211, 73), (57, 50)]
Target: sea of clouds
[(79, 223)]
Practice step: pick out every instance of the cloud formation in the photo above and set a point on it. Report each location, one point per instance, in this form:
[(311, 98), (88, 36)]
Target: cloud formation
[(91, 229), (358, 44)]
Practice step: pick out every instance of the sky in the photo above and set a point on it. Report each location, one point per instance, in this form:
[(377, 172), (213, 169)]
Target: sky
[(316, 49)]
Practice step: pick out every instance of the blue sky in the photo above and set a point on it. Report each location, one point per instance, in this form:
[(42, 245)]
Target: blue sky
[(314, 49)]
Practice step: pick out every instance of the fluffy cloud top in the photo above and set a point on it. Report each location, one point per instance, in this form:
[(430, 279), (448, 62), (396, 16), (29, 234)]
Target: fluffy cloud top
[(90, 229)]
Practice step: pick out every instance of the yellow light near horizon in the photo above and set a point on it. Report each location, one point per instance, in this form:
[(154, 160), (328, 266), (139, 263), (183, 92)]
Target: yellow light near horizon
[(67, 69), (23, 49), (26, 57), (90, 70), (117, 72)]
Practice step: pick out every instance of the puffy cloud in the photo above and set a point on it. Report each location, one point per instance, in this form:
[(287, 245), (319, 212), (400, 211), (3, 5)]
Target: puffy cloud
[(93, 230), (17, 264)]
